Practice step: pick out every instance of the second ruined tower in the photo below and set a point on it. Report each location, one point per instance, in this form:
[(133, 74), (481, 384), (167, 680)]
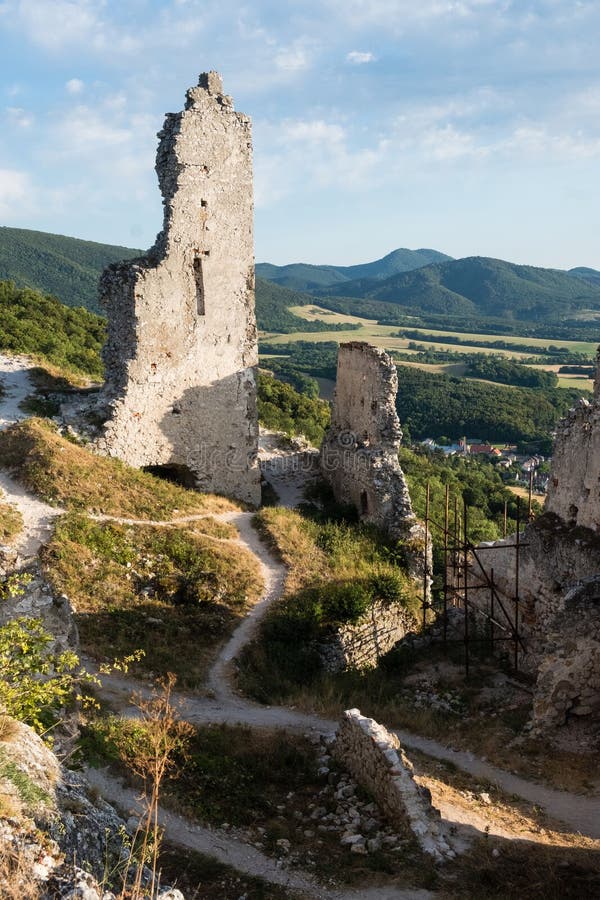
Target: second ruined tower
[(181, 353)]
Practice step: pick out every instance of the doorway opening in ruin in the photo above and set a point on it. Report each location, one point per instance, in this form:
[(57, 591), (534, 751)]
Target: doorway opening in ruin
[(364, 503), (176, 474)]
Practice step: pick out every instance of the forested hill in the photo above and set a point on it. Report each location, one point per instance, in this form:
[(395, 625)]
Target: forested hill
[(481, 287), (65, 267), (69, 269), (306, 277), (475, 287)]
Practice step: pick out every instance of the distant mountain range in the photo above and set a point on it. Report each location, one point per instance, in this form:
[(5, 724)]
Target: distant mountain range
[(418, 281), (306, 277), (483, 287)]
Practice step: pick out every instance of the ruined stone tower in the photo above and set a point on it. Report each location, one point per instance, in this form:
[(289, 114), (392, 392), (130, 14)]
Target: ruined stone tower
[(181, 350), (359, 456)]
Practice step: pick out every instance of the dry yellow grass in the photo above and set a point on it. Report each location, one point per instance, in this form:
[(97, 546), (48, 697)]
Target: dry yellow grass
[(11, 522), (67, 474), (294, 539)]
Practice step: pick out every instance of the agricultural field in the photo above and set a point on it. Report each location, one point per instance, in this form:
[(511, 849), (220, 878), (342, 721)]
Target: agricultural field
[(519, 349), (386, 336)]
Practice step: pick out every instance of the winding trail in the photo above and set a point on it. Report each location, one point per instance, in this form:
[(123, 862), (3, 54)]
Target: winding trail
[(223, 705), (38, 517)]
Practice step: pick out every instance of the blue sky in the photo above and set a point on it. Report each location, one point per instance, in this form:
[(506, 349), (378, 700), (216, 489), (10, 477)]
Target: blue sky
[(469, 126)]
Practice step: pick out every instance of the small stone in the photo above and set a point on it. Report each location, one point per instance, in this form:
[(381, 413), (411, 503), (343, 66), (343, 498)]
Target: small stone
[(359, 848)]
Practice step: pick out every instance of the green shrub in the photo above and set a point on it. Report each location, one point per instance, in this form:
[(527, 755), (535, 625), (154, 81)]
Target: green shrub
[(346, 603), (35, 682), (389, 586)]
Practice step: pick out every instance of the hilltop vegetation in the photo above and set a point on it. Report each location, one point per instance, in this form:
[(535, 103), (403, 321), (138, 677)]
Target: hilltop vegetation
[(39, 326), (272, 312), (336, 570), (173, 592), (65, 267), (66, 474), (480, 287), (305, 277), (282, 408)]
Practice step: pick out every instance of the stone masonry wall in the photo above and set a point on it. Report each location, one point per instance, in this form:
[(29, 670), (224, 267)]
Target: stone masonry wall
[(374, 757), (558, 577), (181, 350), (361, 646), (574, 487), (359, 456)]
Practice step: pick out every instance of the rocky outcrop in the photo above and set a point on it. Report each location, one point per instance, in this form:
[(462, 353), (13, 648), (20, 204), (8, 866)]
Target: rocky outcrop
[(181, 351), (58, 839), (374, 757)]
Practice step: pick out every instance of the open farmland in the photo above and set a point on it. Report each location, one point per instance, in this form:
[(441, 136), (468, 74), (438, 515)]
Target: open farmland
[(371, 330)]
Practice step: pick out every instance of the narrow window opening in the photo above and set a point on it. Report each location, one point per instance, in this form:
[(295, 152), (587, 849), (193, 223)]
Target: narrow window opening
[(199, 282)]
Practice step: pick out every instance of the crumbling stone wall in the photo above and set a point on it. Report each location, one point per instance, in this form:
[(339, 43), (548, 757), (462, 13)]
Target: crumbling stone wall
[(559, 615), (361, 646), (359, 456), (574, 486), (558, 577), (374, 757), (181, 350)]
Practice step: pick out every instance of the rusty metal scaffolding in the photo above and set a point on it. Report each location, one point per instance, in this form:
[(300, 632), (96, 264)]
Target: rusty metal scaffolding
[(463, 572)]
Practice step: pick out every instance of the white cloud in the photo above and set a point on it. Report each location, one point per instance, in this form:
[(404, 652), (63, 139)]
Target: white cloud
[(538, 141), (74, 86), (19, 117), (293, 58), (359, 57), (304, 153), (59, 24), (15, 191)]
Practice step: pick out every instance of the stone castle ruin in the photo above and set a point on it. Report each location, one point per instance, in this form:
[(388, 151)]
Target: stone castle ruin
[(359, 456), (181, 352), (557, 585)]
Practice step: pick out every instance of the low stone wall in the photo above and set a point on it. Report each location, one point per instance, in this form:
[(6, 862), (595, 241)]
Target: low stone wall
[(361, 646), (376, 760)]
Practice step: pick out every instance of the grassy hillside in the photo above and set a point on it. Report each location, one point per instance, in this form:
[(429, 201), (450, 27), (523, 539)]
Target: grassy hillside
[(306, 277), (481, 287), (62, 266), (432, 405)]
